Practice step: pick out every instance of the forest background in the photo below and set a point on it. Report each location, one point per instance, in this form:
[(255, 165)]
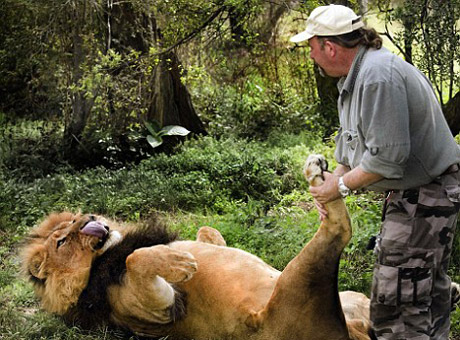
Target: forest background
[(194, 112)]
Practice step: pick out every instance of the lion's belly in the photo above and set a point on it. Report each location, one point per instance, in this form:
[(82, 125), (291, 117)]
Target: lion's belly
[(228, 286)]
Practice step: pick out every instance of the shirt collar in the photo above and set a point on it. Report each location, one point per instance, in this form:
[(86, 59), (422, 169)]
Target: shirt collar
[(348, 82)]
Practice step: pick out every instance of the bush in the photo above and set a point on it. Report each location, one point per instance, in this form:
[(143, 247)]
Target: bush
[(203, 174), (30, 149), (253, 192)]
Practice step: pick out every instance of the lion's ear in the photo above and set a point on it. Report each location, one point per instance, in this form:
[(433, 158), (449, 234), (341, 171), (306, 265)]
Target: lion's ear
[(36, 262)]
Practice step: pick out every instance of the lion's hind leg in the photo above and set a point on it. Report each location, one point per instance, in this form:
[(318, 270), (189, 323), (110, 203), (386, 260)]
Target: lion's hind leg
[(355, 307), (210, 235)]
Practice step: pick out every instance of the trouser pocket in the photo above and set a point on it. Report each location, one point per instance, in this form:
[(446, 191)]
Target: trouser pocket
[(398, 286), (402, 277)]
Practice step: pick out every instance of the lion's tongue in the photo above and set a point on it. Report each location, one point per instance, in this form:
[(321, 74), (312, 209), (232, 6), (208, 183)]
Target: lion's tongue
[(94, 228)]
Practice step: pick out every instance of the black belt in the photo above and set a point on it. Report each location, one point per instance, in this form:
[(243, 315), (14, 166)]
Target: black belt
[(450, 170)]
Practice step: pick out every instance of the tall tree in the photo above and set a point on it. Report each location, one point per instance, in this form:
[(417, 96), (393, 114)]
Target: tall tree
[(76, 14), (125, 28), (167, 100), (429, 39)]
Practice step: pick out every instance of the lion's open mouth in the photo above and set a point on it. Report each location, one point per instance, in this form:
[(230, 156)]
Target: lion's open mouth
[(97, 229)]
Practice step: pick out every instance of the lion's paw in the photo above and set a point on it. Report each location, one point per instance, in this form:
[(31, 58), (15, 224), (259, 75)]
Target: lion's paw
[(172, 265), (314, 167), (210, 235)]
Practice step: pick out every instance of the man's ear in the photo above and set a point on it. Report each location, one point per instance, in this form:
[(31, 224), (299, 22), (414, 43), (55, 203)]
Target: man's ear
[(330, 48)]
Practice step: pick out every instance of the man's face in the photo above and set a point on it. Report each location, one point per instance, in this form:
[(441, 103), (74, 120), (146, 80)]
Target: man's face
[(320, 56)]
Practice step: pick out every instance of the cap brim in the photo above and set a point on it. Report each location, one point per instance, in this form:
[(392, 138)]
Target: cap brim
[(301, 37)]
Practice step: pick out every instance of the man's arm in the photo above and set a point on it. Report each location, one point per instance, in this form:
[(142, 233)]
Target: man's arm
[(329, 190), (341, 170), (353, 179), (358, 178)]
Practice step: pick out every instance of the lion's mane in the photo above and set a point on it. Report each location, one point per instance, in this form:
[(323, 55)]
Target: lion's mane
[(93, 308)]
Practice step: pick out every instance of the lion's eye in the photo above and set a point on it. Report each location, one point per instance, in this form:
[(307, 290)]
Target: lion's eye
[(61, 242)]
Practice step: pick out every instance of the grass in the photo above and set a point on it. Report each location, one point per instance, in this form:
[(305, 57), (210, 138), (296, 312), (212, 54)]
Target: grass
[(267, 212)]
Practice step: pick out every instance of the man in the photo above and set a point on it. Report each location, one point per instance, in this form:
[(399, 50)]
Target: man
[(393, 137)]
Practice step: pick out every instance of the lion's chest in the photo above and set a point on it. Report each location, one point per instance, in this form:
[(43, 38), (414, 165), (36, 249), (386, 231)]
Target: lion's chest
[(228, 286)]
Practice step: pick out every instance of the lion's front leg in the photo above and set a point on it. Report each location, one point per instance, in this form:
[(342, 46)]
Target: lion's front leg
[(147, 289), (307, 287)]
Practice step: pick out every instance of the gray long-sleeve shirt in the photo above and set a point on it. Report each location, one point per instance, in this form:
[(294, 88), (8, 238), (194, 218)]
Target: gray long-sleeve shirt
[(392, 123)]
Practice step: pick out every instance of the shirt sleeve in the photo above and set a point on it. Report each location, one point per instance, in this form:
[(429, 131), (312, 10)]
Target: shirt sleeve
[(385, 128)]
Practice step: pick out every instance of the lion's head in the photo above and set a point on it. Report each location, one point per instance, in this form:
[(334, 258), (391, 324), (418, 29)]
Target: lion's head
[(58, 254)]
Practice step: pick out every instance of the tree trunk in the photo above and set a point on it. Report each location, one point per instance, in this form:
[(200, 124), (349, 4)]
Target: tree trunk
[(452, 113), (236, 27), (328, 94), (167, 99), (130, 29), (272, 15), (171, 103), (81, 105)]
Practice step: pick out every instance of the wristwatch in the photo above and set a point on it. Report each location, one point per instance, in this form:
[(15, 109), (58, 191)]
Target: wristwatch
[(343, 189)]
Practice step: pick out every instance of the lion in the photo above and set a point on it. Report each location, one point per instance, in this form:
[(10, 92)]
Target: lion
[(94, 271)]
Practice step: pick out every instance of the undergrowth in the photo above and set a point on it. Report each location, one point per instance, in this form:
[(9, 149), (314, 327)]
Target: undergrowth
[(252, 192)]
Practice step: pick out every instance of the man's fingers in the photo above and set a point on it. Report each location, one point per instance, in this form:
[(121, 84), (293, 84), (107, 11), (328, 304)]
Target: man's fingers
[(321, 209)]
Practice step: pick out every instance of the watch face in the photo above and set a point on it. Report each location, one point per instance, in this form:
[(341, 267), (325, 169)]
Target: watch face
[(343, 189), (344, 192)]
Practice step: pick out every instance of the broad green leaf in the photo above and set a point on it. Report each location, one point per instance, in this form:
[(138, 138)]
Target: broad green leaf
[(153, 127), (174, 130), (154, 141)]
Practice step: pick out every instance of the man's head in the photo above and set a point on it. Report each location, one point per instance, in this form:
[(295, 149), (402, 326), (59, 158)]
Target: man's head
[(332, 20), (334, 34)]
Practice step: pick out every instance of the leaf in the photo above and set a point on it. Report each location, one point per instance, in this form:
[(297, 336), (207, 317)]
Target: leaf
[(154, 141), (153, 127), (174, 130)]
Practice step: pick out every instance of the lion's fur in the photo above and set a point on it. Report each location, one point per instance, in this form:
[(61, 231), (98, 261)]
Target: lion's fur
[(57, 286), (67, 290), (93, 307)]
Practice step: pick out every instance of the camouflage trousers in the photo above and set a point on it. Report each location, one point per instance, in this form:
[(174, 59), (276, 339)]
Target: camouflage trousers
[(410, 296)]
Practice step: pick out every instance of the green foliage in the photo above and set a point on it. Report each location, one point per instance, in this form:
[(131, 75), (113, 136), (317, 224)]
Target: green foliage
[(26, 85), (155, 138), (30, 149), (254, 111), (253, 192), (206, 173), (356, 263), (255, 108), (429, 38)]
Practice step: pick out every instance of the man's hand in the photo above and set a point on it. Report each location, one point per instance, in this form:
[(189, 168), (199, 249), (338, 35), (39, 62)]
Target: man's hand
[(321, 209), (328, 191)]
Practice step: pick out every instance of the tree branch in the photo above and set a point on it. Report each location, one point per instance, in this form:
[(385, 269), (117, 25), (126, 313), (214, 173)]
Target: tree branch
[(388, 35), (194, 32)]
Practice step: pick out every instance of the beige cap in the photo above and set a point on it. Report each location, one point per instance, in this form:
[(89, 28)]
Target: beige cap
[(329, 21)]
